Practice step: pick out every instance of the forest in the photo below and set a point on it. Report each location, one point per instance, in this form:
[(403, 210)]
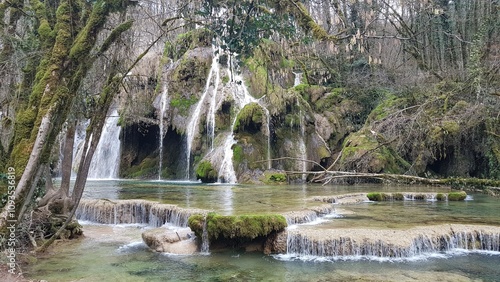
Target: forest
[(253, 91)]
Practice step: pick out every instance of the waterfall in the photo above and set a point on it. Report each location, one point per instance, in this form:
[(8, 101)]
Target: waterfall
[(133, 211), (242, 98), (205, 246), (208, 103), (192, 126), (298, 78), (302, 143), (391, 243), (106, 160), (309, 215), (163, 108), (268, 123)]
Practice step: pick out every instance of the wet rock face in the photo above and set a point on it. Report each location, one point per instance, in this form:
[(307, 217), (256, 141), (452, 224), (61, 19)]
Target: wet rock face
[(178, 241), (276, 243)]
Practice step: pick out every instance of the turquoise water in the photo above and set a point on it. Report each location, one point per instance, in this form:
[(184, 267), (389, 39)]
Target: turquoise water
[(116, 253)]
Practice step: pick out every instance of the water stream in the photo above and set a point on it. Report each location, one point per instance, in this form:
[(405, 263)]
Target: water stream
[(116, 251), (163, 108), (106, 160), (211, 85)]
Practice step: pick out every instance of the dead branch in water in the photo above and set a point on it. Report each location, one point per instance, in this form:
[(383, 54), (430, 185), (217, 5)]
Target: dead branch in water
[(325, 176)]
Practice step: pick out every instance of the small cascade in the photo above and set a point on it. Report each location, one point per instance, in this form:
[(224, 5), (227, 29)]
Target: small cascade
[(192, 127), (298, 78), (226, 171), (106, 160), (392, 243), (268, 132), (133, 211), (302, 143), (242, 98), (163, 108), (211, 109), (310, 215), (213, 94), (205, 246)]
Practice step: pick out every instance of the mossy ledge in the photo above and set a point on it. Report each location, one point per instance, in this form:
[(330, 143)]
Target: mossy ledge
[(236, 229), (452, 196)]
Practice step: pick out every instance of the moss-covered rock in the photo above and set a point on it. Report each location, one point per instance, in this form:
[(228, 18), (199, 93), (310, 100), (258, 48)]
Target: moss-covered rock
[(274, 177), (146, 169), (186, 41), (366, 151), (239, 229), (206, 173), (250, 118), (457, 196)]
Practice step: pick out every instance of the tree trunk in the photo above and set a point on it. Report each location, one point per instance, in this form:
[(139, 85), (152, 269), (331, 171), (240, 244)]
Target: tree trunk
[(67, 161)]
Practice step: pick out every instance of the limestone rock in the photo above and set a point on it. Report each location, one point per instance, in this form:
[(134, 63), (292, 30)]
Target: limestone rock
[(179, 241)]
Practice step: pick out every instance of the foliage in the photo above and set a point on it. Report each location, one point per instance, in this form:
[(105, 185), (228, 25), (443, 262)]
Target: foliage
[(243, 24)]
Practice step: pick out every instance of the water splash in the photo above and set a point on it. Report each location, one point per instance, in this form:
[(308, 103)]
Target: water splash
[(106, 160)]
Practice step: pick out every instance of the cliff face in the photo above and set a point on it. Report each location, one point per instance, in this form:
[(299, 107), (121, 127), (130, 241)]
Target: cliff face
[(262, 114)]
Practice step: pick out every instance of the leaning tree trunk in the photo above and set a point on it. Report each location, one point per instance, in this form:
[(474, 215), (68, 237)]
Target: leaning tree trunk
[(58, 78)]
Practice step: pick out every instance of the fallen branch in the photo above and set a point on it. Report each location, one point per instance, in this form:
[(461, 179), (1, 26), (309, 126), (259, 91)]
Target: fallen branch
[(295, 159)]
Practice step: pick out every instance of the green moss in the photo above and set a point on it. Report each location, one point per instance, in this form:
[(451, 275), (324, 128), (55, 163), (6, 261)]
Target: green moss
[(363, 151), (450, 127), (250, 118), (186, 41), (115, 33), (375, 196), (331, 99), (237, 228), (238, 155), (147, 168), (441, 197), (457, 196), (183, 104), (274, 178), (206, 173)]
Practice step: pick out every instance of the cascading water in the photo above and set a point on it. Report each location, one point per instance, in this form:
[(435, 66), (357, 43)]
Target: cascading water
[(106, 160), (414, 242), (298, 78), (195, 116), (268, 123), (205, 246), (242, 98), (163, 108), (134, 211), (302, 144)]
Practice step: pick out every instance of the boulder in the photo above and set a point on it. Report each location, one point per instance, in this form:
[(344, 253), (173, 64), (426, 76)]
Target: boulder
[(179, 241)]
